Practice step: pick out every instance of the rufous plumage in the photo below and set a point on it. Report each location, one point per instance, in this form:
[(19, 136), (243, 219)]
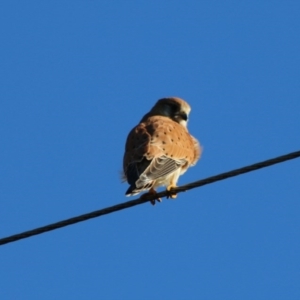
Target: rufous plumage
[(160, 149)]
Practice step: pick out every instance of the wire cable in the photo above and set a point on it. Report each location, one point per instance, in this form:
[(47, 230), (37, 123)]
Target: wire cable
[(146, 198)]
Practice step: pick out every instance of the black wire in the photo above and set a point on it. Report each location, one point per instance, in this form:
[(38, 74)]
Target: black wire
[(147, 198)]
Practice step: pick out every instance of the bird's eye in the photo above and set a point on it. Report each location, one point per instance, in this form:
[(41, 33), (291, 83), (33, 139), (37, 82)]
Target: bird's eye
[(183, 116)]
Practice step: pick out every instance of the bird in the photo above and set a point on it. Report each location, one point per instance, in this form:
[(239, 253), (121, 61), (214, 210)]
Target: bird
[(160, 149)]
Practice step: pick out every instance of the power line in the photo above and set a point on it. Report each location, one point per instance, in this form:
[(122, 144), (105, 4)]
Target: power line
[(111, 209)]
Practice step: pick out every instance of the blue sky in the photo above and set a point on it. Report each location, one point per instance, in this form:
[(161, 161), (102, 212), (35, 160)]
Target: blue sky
[(76, 76)]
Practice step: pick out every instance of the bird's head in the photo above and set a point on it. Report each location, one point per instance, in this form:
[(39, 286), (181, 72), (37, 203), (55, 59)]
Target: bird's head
[(174, 108)]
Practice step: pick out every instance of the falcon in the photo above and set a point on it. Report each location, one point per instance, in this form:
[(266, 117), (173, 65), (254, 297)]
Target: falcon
[(160, 149)]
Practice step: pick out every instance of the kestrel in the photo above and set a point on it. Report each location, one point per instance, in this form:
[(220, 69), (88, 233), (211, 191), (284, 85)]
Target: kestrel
[(160, 149)]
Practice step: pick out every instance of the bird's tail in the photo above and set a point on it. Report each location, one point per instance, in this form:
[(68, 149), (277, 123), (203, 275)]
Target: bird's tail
[(134, 190)]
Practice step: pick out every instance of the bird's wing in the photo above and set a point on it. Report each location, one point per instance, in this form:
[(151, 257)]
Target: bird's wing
[(155, 149)]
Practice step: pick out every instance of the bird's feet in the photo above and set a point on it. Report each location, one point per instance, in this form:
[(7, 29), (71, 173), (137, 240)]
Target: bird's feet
[(171, 194), (152, 193)]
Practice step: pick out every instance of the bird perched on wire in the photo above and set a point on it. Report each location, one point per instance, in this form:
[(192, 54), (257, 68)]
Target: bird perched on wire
[(160, 149)]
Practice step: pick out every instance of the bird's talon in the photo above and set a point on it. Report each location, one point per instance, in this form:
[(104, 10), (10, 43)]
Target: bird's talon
[(171, 194), (152, 193)]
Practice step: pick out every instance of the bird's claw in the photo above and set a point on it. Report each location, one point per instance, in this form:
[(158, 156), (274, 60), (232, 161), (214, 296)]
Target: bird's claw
[(171, 194), (151, 193)]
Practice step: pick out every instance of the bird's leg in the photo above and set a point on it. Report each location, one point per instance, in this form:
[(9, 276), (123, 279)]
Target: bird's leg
[(151, 192), (171, 195)]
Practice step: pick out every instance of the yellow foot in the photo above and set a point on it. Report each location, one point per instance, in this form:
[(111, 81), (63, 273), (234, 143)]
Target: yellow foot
[(152, 193), (171, 195)]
